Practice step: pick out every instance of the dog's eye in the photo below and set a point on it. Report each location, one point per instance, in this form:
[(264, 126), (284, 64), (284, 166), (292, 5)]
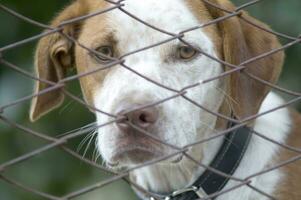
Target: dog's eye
[(186, 53), (106, 53)]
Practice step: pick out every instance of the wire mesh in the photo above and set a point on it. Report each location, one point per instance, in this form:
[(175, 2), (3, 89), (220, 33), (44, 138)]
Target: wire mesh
[(62, 141)]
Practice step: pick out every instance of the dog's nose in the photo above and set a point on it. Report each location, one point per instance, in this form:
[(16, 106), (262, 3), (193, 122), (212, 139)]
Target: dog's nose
[(143, 118)]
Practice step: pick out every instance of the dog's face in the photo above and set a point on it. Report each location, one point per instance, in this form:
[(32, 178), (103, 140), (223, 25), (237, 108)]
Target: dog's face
[(173, 64), (119, 90)]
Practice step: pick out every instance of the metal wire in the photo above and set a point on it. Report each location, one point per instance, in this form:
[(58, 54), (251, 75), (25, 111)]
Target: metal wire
[(176, 93)]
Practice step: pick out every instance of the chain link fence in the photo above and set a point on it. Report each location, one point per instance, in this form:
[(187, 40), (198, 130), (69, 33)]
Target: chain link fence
[(66, 138)]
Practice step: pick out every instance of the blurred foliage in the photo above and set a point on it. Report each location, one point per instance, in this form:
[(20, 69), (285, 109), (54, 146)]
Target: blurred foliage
[(54, 171)]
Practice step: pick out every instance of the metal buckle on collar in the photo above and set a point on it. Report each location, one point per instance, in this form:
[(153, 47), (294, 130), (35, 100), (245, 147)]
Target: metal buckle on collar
[(198, 191)]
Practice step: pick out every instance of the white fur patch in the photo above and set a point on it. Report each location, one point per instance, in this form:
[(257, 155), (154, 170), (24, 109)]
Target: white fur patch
[(276, 126)]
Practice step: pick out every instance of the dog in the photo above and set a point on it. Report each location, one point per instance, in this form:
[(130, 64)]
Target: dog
[(177, 122)]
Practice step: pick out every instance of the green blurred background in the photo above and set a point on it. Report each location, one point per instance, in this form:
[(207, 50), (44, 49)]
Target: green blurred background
[(55, 172)]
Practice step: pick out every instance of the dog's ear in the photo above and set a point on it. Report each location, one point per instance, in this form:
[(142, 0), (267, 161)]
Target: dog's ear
[(241, 42), (54, 55)]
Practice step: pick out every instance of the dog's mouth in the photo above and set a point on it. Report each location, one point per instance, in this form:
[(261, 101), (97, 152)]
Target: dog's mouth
[(131, 150), (137, 152), (134, 154)]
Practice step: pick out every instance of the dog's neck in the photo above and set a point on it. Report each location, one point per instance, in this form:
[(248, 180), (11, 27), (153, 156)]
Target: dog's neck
[(161, 178)]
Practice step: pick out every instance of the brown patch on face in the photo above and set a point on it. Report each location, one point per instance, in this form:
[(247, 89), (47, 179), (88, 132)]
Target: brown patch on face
[(95, 32), (201, 13), (55, 54), (241, 42)]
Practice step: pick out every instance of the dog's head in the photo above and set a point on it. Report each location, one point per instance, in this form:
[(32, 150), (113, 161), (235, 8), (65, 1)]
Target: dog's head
[(121, 90)]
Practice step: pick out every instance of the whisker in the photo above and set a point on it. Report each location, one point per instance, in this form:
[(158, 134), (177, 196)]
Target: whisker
[(88, 127), (93, 134), (69, 104), (82, 143), (97, 157), (228, 97), (95, 152)]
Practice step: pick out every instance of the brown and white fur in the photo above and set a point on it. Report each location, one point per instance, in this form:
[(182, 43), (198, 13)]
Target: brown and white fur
[(179, 122)]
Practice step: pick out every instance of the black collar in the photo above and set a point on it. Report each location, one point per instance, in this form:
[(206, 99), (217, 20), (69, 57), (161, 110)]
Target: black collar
[(226, 160)]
